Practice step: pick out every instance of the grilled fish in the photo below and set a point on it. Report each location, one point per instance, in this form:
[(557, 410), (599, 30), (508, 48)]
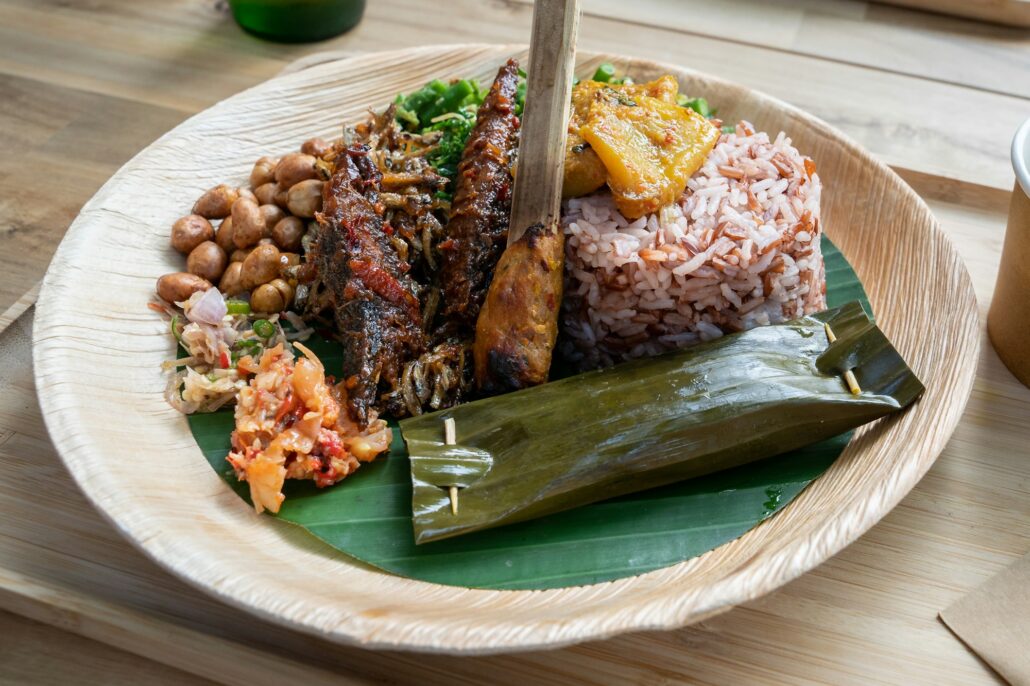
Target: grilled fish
[(374, 300), (476, 232)]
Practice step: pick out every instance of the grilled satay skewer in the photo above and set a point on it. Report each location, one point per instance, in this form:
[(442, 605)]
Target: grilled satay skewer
[(518, 323)]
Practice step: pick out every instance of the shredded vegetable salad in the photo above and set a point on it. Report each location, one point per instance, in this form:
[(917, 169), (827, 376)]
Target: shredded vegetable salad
[(291, 424), (214, 334)]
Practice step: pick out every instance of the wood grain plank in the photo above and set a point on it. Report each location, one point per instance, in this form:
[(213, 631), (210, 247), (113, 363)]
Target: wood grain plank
[(23, 303), (152, 637), (59, 146), (1009, 12), (35, 654)]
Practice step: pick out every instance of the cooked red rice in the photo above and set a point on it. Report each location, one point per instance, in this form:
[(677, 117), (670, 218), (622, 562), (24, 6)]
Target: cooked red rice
[(740, 249)]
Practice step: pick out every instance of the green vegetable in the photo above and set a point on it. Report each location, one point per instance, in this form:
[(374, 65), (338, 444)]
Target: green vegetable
[(264, 328), (456, 95), (651, 422), (421, 112), (699, 105), (248, 346), (177, 332), (520, 97), (421, 100), (417, 111), (245, 346), (237, 307), (729, 129), (448, 151), (368, 516), (604, 73), (407, 118)]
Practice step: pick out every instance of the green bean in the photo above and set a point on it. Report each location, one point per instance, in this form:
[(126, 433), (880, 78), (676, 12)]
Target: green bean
[(604, 73), (424, 98), (264, 328), (450, 100)]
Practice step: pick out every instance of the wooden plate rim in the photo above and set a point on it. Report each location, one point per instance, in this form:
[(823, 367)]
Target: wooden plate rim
[(677, 604)]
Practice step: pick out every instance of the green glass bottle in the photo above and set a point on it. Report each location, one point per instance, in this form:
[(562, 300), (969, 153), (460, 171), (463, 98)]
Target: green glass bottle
[(297, 21)]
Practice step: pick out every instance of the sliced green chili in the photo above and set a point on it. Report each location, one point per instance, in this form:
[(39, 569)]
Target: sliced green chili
[(237, 307), (605, 72), (175, 328), (177, 332), (264, 328)]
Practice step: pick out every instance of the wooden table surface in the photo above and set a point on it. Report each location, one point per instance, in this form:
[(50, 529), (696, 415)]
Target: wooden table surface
[(85, 84)]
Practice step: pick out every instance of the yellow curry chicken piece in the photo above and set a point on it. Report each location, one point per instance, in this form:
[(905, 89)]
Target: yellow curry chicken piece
[(638, 140)]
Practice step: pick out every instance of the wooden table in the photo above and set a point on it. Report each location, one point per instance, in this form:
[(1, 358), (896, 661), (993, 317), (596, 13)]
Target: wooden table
[(87, 84)]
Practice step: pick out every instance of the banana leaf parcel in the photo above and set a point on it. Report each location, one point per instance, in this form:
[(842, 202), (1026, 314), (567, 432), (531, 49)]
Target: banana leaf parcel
[(646, 423)]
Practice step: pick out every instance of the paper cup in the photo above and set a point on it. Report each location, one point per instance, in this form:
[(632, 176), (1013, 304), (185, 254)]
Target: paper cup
[(1008, 321)]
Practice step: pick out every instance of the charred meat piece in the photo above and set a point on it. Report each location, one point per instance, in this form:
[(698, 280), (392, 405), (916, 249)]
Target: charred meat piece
[(377, 311), (476, 232), (518, 325)]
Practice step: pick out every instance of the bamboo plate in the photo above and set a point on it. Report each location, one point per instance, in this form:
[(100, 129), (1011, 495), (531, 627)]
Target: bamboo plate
[(98, 349)]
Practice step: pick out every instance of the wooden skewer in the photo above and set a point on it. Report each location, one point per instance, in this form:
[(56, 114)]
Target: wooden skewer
[(536, 197), (849, 376), (449, 439)]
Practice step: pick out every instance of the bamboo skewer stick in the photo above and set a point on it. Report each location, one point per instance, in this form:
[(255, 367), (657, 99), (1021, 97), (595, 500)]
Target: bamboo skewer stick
[(849, 376), (449, 438), (536, 197)]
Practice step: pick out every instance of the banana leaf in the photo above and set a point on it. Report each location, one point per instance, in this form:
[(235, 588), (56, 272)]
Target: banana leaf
[(368, 516), (651, 422)]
